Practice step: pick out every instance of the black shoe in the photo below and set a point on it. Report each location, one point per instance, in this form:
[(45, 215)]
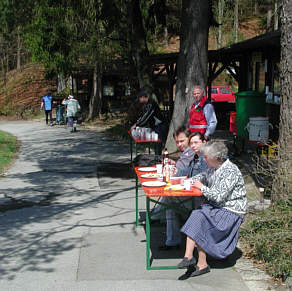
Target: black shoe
[(168, 248), (194, 271), (199, 272), (185, 263)]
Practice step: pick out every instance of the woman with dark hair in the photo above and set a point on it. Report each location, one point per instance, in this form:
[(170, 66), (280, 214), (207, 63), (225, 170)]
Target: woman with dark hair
[(196, 140), (213, 228)]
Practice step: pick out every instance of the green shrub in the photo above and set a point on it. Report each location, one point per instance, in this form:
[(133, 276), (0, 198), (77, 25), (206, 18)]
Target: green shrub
[(267, 237)]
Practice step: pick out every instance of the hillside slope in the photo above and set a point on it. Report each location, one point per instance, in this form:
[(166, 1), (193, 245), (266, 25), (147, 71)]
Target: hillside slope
[(21, 93)]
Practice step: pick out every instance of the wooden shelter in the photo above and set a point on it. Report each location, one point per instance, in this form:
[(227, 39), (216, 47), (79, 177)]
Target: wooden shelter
[(253, 63)]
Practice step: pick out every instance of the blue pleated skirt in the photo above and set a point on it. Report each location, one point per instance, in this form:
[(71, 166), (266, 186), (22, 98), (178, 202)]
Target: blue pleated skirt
[(215, 230)]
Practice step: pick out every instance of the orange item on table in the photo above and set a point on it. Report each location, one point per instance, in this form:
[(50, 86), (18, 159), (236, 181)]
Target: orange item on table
[(161, 191)]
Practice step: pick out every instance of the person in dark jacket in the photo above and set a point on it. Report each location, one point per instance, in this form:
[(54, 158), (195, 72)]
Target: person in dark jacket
[(151, 115)]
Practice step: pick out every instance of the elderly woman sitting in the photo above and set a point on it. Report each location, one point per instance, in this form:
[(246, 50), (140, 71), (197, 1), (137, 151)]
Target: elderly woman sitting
[(214, 227)]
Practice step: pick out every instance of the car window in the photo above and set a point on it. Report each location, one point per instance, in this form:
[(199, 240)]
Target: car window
[(213, 90), (225, 91)]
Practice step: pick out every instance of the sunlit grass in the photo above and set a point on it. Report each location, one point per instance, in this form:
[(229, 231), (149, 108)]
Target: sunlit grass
[(8, 149)]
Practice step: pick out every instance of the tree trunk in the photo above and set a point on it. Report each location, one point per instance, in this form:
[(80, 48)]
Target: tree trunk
[(282, 186), (276, 16), (220, 20), (192, 62), (236, 2), (95, 103), (269, 16), (256, 8), (18, 49), (138, 43), (165, 36)]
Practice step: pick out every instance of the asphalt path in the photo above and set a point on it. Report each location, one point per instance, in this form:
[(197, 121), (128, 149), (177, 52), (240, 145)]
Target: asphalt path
[(67, 219)]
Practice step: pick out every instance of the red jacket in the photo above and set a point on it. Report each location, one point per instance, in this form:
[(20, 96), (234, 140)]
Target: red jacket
[(197, 121)]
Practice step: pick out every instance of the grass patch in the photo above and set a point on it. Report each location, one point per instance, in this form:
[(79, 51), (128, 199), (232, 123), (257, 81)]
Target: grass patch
[(8, 149), (267, 237)]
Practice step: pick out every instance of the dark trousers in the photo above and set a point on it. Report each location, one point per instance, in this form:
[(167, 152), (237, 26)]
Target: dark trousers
[(49, 114), (71, 120)]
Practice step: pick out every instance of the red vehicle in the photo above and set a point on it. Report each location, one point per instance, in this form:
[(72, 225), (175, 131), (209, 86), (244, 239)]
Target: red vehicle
[(222, 94)]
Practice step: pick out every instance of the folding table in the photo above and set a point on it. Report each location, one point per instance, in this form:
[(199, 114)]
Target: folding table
[(141, 141), (153, 194)]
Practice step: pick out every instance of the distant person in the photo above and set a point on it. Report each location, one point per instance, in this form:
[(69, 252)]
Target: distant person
[(202, 115), (47, 104), (60, 113), (72, 108), (151, 115)]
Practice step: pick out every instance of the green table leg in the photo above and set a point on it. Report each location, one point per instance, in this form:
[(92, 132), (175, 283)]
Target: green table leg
[(131, 149), (137, 206), (148, 265), (148, 239)]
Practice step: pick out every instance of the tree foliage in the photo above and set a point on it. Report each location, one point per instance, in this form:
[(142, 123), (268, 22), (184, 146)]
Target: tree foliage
[(49, 37)]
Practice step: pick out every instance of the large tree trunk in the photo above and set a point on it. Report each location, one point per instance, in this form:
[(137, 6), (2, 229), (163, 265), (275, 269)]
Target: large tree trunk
[(95, 103), (192, 62), (138, 43), (282, 186)]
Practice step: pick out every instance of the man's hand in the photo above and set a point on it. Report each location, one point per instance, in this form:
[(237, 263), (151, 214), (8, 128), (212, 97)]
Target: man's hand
[(133, 126)]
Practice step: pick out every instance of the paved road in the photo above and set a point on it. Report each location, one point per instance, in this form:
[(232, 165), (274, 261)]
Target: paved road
[(68, 219)]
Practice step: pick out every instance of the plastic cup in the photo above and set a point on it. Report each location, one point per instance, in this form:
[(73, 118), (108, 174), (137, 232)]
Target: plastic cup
[(159, 168), (187, 184), (148, 136)]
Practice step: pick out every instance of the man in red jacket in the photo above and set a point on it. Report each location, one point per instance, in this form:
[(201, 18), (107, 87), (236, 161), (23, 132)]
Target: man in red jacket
[(202, 115)]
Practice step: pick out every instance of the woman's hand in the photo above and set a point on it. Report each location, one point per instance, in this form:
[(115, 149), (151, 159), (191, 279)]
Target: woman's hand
[(172, 162), (133, 126), (198, 184), (173, 171)]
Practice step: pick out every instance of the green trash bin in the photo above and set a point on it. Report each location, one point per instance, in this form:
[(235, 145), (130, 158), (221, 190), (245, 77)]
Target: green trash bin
[(248, 103)]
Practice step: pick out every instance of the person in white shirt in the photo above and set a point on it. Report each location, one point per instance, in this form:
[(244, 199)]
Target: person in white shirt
[(72, 108)]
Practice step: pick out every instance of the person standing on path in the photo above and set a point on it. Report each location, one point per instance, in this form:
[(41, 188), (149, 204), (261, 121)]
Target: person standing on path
[(151, 116), (72, 108), (202, 115), (47, 104)]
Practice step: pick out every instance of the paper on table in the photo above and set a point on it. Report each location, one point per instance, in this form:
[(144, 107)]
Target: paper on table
[(175, 187)]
